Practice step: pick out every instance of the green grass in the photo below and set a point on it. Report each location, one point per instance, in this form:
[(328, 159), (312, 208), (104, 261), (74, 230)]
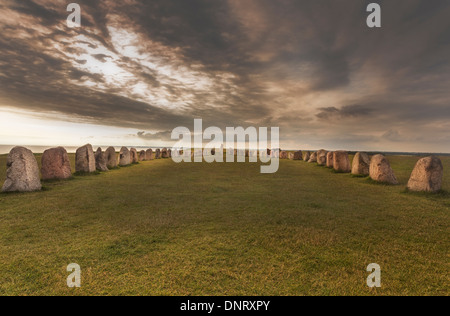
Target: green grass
[(160, 228)]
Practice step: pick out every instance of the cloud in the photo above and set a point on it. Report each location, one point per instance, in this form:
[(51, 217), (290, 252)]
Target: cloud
[(347, 111), (155, 65)]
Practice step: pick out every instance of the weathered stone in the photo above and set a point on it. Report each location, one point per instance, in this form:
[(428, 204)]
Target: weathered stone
[(427, 175), (100, 160), (274, 153), (298, 155), (322, 157), (149, 154), (85, 159), (124, 157), (55, 164), (198, 153), (291, 156), (111, 158), (330, 162), (306, 156), (283, 155), (341, 162), (361, 164), (142, 155), (158, 154), (313, 157), (164, 153), (381, 171), (22, 174), (169, 152), (134, 155)]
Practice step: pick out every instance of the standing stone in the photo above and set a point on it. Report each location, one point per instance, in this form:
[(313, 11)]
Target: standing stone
[(361, 164), (381, 171), (341, 162), (149, 154), (298, 155), (306, 156), (124, 157), (330, 162), (85, 159), (322, 157), (283, 155), (111, 158), (169, 153), (427, 175), (22, 174), (55, 164), (291, 156), (134, 155), (164, 153), (313, 157), (100, 160), (142, 155), (158, 154)]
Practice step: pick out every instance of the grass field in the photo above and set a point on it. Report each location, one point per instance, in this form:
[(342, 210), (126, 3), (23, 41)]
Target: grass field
[(160, 228)]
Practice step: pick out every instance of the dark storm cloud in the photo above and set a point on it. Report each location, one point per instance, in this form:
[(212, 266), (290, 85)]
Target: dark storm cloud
[(233, 63), (345, 111)]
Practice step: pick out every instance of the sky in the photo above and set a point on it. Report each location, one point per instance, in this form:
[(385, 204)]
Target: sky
[(135, 70)]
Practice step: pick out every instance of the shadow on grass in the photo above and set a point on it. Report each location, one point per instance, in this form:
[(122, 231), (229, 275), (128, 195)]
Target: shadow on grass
[(386, 184), (338, 172), (360, 176), (86, 174), (442, 194)]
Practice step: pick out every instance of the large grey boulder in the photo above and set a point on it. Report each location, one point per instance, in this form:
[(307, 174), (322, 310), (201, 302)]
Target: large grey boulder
[(283, 154), (306, 156), (427, 175), (142, 155), (85, 159), (111, 158), (100, 160), (322, 157), (22, 174), (298, 155), (341, 161), (149, 154), (361, 164), (313, 157), (381, 171), (134, 155), (330, 161), (55, 164), (124, 157)]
